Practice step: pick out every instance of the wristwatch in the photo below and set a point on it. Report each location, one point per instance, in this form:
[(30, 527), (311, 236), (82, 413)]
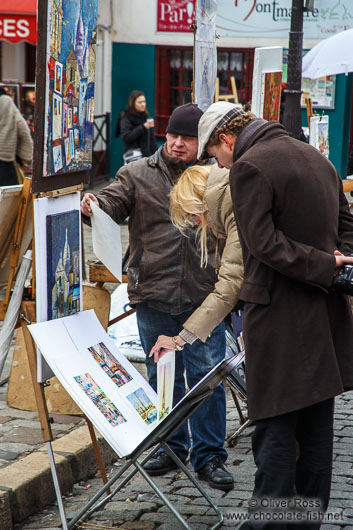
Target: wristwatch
[(178, 347)]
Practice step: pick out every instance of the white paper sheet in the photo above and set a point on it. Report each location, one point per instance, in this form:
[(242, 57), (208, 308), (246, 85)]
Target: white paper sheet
[(106, 241), (165, 383), (125, 333)]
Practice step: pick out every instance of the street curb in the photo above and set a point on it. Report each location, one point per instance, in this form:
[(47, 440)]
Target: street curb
[(26, 486)]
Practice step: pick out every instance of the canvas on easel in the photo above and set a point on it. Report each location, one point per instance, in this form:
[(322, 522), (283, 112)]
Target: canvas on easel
[(58, 259)]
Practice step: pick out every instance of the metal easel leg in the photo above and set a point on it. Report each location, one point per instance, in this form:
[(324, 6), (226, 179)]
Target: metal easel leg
[(196, 483), (161, 495), (57, 486), (89, 508), (232, 438)]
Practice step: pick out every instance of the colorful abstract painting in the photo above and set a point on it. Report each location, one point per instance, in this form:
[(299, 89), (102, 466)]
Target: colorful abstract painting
[(109, 364), (63, 264), (100, 400), (143, 405), (69, 107)]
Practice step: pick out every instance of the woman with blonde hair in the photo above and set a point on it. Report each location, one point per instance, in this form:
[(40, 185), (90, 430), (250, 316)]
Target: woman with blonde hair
[(202, 196)]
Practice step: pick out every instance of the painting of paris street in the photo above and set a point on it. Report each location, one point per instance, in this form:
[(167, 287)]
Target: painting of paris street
[(63, 264), (69, 102), (109, 364), (100, 400)]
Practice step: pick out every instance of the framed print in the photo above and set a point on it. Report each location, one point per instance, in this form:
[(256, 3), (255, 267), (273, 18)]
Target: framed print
[(321, 91), (67, 151), (64, 120), (58, 82), (69, 118), (57, 117)]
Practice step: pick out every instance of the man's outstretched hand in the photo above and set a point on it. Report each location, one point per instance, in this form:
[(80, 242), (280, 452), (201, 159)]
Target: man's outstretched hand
[(86, 204)]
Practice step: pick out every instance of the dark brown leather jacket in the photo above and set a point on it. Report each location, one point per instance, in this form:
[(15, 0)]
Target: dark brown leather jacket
[(164, 266)]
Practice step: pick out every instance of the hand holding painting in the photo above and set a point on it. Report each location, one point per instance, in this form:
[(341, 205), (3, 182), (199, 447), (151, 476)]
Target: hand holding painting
[(85, 204), (165, 344)]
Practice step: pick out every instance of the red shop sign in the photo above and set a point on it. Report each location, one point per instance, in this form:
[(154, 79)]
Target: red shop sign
[(17, 28), (175, 15)]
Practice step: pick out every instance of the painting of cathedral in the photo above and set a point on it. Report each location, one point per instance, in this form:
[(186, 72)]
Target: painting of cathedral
[(70, 61), (63, 264), (109, 364)]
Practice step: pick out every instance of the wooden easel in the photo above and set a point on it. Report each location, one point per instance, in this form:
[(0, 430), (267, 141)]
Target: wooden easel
[(28, 316), (16, 242), (227, 97)]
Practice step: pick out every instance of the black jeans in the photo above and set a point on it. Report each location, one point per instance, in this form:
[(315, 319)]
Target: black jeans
[(284, 474)]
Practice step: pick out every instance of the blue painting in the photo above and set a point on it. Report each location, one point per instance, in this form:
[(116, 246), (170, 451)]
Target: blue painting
[(63, 264), (71, 58), (143, 405)]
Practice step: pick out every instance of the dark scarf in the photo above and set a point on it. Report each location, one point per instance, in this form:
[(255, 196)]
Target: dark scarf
[(245, 135)]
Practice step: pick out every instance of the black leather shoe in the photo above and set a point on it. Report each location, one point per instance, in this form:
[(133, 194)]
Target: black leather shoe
[(159, 464), (216, 475)]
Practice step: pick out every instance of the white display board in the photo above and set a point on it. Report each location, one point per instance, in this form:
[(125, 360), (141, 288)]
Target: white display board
[(266, 59), (104, 384)]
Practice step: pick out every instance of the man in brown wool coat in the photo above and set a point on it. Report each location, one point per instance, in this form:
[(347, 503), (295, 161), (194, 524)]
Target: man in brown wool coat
[(294, 227)]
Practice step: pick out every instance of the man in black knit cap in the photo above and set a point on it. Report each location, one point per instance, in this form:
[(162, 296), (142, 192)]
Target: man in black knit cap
[(166, 284)]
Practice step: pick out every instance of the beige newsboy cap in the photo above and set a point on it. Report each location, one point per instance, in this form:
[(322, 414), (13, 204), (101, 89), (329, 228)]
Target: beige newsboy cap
[(213, 118)]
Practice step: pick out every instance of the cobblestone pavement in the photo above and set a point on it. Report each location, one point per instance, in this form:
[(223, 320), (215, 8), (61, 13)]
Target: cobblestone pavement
[(136, 507)]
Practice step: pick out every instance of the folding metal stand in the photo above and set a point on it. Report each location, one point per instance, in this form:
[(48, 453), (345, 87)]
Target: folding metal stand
[(238, 388), (158, 439)]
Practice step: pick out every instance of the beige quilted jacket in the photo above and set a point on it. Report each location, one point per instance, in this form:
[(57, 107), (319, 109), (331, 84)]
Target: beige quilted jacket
[(220, 217)]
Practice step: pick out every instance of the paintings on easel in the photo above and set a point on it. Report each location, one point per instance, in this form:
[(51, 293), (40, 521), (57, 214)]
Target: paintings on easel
[(87, 363), (65, 93), (71, 51), (57, 230)]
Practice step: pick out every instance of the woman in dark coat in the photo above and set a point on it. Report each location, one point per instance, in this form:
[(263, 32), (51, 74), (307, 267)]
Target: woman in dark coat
[(135, 127)]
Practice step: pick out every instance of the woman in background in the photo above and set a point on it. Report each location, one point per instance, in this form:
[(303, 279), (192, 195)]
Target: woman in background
[(202, 197), (136, 128)]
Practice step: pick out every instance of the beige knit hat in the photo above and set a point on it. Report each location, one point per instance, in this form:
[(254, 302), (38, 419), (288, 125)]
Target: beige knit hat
[(213, 118)]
